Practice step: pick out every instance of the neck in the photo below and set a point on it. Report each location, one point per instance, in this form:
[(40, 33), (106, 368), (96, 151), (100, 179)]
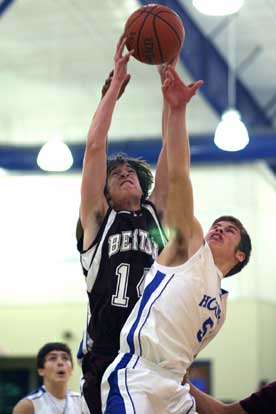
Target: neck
[(129, 204), (58, 390), (223, 267)]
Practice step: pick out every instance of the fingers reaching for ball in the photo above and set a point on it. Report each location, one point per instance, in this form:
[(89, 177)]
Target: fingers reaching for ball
[(120, 64), (175, 91), (193, 87), (120, 48)]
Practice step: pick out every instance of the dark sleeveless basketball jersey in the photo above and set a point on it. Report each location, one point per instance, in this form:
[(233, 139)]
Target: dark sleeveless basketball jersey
[(115, 266)]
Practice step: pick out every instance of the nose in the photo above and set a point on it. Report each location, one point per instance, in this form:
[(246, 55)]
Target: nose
[(124, 174), (219, 230)]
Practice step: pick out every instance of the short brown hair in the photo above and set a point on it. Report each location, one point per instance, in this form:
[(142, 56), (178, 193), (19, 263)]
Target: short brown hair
[(244, 246)]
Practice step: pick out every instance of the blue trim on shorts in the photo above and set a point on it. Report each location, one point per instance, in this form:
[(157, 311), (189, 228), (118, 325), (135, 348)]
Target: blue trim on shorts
[(115, 401), (193, 405), (128, 393)]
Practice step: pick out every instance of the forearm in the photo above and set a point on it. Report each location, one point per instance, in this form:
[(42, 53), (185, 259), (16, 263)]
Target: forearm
[(165, 115), (178, 149), (205, 404), (161, 183), (95, 157), (101, 121), (180, 214)]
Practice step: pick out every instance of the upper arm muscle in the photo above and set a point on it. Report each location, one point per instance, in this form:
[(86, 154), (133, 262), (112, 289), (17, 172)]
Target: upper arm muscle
[(24, 407)]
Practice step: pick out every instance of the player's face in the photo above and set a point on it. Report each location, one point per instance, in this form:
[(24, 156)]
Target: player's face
[(224, 237), (57, 367), (122, 181)]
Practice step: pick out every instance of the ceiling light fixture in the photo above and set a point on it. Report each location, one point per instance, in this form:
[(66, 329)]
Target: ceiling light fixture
[(231, 133), (218, 7), (55, 155)]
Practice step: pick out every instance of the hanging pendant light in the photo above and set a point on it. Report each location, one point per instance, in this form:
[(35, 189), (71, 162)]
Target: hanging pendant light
[(55, 155), (231, 133), (218, 7)]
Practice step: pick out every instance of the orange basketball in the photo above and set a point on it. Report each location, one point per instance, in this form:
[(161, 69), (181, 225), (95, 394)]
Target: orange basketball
[(155, 32)]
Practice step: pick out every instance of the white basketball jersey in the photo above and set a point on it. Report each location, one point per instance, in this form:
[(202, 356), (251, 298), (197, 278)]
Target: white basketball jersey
[(181, 310), (46, 403)]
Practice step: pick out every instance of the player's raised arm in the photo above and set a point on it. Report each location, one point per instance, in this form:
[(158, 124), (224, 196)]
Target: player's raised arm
[(186, 234), (160, 192), (93, 202)]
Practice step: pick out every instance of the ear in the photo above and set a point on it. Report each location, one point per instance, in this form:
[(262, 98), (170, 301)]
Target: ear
[(240, 256), (40, 372)]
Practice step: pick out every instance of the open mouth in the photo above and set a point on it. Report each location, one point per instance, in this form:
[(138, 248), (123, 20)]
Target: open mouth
[(216, 236), (61, 373)]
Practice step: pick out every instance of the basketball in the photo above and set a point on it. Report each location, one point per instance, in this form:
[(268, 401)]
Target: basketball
[(155, 32)]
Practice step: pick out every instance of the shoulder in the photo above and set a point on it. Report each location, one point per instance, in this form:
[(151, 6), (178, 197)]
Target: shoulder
[(74, 400), (73, 394), (24, 406), (149, 209), (148, 205), (89, 236)]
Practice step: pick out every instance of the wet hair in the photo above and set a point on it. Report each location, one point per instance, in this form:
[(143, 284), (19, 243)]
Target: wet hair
[(49, 347), (141, 167), (244, 245)]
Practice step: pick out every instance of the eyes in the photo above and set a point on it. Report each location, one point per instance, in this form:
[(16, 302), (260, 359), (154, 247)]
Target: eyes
[(227, 229), (118, 172), (55, 357)]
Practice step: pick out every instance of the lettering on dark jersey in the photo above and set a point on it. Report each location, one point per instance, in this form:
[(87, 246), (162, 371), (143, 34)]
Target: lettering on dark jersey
[(132, 240)]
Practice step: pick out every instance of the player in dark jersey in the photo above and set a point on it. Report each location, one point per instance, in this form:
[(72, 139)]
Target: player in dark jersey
[(260, 402), (121, 236)]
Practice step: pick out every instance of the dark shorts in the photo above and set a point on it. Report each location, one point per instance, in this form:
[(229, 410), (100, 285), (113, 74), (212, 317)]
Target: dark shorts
[(93, 368)]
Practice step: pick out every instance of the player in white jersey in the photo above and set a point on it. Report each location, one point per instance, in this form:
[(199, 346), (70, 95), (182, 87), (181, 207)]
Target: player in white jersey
[(182, 306), (54, 365)]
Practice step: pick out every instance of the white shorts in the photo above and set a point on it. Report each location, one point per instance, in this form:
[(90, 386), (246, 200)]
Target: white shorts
[(132, 385)]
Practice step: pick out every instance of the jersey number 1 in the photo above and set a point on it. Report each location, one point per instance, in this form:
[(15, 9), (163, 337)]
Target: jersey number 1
[(122, 272)]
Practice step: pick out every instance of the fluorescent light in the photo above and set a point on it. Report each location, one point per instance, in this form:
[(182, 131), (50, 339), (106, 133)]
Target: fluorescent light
[(55, 155), (218, 7), (231, 133)]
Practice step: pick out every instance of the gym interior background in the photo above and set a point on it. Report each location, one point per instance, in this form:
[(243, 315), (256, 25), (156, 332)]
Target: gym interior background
[(55, 56)]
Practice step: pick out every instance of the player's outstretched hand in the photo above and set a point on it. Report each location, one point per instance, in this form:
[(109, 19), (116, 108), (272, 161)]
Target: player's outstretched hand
[(164, 66), (120, 62), (108, 82), (175, 91)]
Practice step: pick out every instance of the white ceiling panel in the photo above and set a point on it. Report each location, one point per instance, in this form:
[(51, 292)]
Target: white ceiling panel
[(55, 58), (56, 54)]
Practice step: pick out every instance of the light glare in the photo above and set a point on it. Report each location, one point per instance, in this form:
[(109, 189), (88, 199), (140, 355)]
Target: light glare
[(218, 7), (55, 155), (231, 133)]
